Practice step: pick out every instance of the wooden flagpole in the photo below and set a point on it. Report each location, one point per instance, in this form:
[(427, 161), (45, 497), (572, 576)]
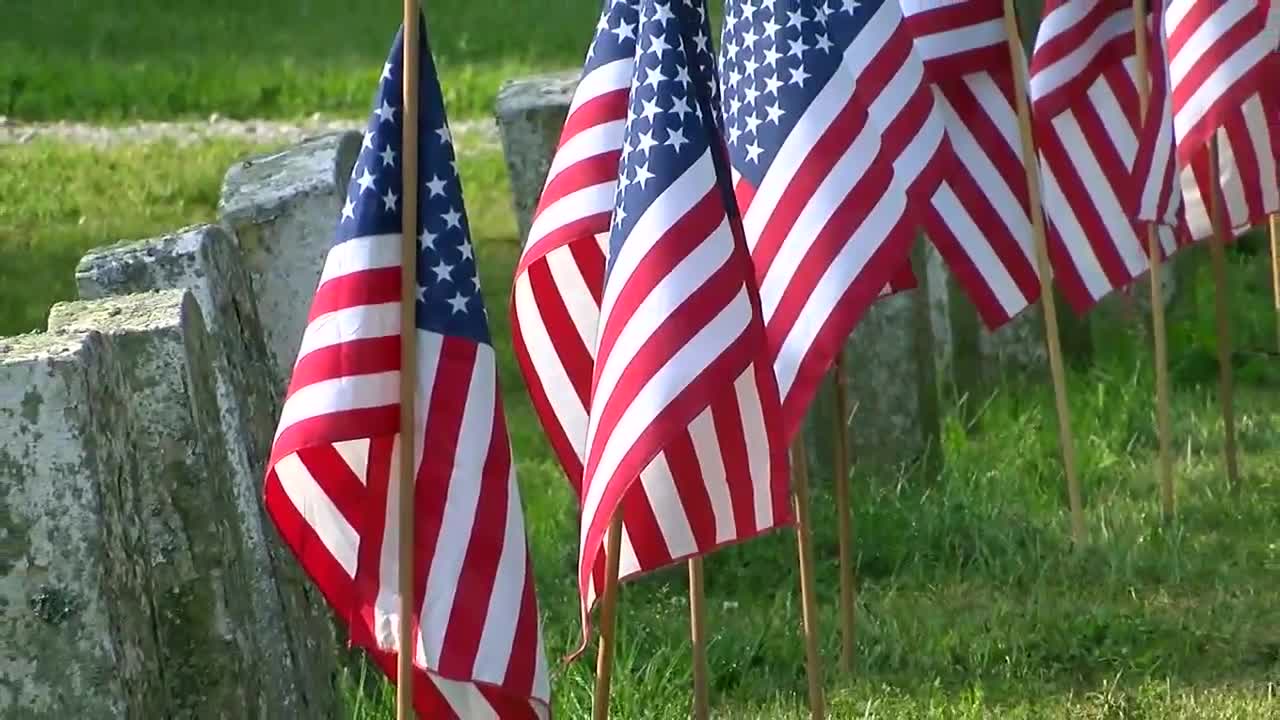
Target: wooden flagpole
[(1275, 269), (844, 518), (408, 356), (1164, 466), (808, 599), (608, 620), (1218, 254), (698, 637), (1031, 166)]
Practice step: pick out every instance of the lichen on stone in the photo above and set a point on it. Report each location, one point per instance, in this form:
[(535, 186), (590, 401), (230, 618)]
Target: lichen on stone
[(53, 605)]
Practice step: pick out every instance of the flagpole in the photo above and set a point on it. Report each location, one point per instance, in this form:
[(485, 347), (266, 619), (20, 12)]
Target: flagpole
[(1275, 268), (1031, 166), (408, 356), (1164, 466), (808, 600), (698, 638), (1218, 254), (844, 518), (608, 620)]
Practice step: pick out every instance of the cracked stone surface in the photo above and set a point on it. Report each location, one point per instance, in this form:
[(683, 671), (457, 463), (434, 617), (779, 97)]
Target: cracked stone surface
[(290, 620), (67, 648), (126, 584)]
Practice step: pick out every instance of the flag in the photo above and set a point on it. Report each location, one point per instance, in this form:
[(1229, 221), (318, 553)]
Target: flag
[(1223, 69), (330, 486), (979, 218), (1156, 167), (830, 129), (635, 314), (1087, 118)]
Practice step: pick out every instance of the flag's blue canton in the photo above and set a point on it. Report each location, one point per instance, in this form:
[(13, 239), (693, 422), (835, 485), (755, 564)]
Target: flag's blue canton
[(692, 15), (615, 34), (671, 98), (776, 58), (449, 300)]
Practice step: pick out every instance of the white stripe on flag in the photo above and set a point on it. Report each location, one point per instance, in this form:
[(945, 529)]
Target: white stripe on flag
[(498, 636), (668, 510), (571, 414), (314, 505), (363, 253), (360, 322), (756, 437), (706, 447), (350, 392)]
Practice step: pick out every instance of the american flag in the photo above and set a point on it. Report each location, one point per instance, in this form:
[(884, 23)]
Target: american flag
[(979, 218), (823, 166), (1224, 70), (329, 486), (635, 315), (1088, 121)]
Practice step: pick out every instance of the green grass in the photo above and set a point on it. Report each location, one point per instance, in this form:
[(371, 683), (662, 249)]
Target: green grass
[(109, 60), (972, 604), (60, 200)]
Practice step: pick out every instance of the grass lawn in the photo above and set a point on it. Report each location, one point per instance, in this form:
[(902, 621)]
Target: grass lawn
[(971, 603), (107, 60)]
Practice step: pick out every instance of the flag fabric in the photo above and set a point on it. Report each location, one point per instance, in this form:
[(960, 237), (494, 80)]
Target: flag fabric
[(1156, 167), (823, 167), (979, 217), (1087, 118), (330, 485), (1223, 69), (635, 314)]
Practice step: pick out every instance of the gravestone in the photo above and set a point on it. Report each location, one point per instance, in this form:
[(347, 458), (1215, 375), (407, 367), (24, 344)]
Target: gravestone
[(530, 113), (68, 646), (126, 590), (892, 368), (282, 208), (289, 616)]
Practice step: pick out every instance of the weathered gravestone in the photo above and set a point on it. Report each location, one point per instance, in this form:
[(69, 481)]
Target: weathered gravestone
[(282, 208), (531, 113), (124, 587), (293, 630), (74, 638)]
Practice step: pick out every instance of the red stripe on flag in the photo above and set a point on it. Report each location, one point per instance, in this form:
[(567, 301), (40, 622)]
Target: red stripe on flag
[(596, 111), (336, 427), (694, 496), (315, 558), (365, 356), (335, 478), (363, 287)]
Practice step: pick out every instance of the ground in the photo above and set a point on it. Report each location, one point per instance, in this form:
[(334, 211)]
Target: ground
[(972, 602)]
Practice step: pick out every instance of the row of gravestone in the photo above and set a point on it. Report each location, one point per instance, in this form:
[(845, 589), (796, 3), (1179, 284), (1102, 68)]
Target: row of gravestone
[(138, 574)]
